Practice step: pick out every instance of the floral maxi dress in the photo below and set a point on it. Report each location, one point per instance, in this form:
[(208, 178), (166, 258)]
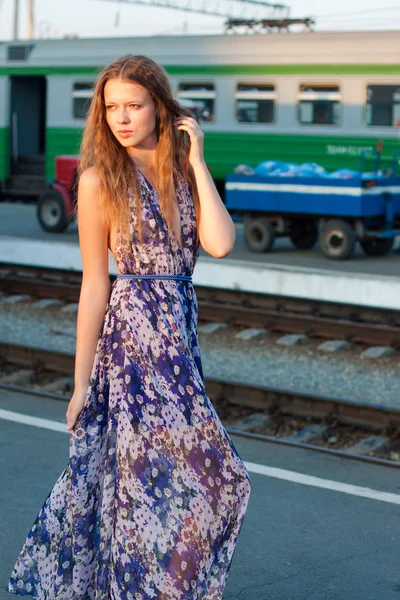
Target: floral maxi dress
[(153, 498)]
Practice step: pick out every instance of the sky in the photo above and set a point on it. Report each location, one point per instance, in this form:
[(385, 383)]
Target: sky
[(100, 18)]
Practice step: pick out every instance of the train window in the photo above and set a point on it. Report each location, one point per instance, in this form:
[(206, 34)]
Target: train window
[(383, 106), (199, 98), (81, 97), (319, 104), (255, 103)]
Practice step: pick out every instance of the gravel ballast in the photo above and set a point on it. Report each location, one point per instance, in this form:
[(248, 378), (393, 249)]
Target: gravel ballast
[(259, 361)]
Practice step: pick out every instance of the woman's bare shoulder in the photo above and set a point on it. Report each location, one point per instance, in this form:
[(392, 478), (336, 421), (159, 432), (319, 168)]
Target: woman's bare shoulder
[(90, 178), (89, 188)]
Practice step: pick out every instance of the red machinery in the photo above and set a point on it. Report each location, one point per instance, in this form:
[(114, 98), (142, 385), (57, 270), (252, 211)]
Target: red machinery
[(56, 205)]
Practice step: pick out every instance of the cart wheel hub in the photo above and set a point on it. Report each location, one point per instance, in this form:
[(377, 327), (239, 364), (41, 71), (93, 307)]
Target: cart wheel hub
[(51, 212), (257, 235), (336, 239)]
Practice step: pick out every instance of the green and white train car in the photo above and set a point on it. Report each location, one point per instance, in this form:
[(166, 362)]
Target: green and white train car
[(304, 97)]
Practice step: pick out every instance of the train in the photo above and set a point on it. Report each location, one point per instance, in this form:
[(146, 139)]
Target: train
[(303, 97)]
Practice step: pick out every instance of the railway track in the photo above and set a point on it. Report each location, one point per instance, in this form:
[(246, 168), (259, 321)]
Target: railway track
[(276, 313), (281, 416)]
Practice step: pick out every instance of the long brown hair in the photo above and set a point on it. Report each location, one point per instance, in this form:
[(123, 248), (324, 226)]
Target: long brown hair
[(118, 175)]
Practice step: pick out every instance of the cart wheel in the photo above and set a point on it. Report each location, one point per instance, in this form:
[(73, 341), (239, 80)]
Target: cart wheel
[(303, 234), (337, 239), (51, 211), (377, 246), (259, 234)]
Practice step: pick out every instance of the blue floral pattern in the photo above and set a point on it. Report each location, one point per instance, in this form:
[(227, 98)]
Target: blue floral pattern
[(153, 498)]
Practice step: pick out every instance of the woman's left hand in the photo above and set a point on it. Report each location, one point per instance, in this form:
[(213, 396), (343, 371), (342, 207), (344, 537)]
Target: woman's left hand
[(192, 128)]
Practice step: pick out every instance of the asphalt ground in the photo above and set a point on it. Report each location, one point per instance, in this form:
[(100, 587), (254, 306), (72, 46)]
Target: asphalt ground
[(19, 220), (317, 527)]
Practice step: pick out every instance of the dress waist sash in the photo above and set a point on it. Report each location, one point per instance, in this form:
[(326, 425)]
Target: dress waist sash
[(176, 277)]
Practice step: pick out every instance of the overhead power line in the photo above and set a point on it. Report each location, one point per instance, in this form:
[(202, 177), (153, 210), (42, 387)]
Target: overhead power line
[(255, 15), (220, 8), (360, 12)]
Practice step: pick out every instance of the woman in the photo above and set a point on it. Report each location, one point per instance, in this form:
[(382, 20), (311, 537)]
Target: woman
[(154, 496)]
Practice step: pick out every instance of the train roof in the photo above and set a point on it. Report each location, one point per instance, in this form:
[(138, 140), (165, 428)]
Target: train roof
[(338, 48)]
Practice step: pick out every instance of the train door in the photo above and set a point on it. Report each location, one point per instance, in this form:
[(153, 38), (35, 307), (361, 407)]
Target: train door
[(27, 132)]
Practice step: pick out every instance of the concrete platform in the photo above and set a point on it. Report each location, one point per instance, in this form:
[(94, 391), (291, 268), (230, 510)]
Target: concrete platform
[(373, 282), (318, 527)]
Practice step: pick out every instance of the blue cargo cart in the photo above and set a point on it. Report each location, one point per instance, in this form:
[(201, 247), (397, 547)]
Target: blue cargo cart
[(334, 212)]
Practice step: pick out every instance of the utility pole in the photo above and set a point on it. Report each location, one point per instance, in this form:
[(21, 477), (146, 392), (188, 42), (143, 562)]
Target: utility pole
[(31, 20), (16, 18)]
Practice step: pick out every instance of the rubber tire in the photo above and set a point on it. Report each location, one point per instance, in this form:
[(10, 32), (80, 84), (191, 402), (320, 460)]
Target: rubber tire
[(52, 198), (377, 246), (259, 234), (303, 234), (345, 231)]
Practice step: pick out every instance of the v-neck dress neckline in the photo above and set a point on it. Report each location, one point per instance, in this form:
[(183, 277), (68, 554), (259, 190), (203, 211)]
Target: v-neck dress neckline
[(154, 192)]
